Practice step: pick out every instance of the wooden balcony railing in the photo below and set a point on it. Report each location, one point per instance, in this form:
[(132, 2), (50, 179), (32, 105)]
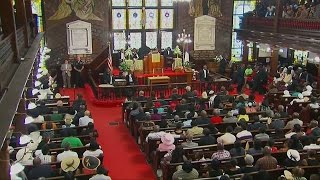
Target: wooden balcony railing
[(284, 24)]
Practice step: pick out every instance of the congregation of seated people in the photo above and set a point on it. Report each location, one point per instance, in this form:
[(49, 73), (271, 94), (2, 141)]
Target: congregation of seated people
[(61, 142), (236, 126)]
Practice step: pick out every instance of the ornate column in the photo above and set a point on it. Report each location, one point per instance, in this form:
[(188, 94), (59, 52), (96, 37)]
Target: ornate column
[(274, 62)]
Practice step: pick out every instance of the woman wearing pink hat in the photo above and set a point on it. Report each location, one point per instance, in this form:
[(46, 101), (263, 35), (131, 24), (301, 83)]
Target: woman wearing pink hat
[(167, 143)]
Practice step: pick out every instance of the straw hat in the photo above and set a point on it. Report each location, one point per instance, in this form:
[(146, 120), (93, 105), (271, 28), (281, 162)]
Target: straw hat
[(70, 164), (293, 155), (91, 162), (167, 139), (204, 95), (57, 96), (24, 154), (288, 175)]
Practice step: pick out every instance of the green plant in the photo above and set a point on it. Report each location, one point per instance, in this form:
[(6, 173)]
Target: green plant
[(124, 67), (128, 53), (188, 65)]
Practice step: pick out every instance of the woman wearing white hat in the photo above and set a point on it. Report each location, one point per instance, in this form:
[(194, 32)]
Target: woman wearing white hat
[(293, 158)]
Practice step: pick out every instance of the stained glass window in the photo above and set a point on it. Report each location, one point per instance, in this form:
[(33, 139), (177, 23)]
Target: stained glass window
[(119, 41), (240, 7), (135, 2), (166, 2), (166, 39), (151, 39), (135, 40), (166, 18), (145, 20), (151, 19), (36, 9), (151, 3), (119, 3), (135, 19), (119, 19)]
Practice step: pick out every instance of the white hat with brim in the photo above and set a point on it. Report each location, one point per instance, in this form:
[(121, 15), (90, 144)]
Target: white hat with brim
[(32, 146), (24, 154), (16, 168), (286, 92), (167, 139), (293, 155), (91, 162), (32, 106), (28, 120), (70, 164), (309, 88), (211, 92), (35, 137)]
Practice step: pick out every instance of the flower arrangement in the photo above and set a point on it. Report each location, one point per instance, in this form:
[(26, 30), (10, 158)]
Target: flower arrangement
[(128, 53), (124, 67), (177, 51), (188, 65), (218, 58)]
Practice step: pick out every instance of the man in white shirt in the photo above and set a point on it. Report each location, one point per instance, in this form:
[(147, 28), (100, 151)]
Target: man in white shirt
[(313, 144), (84, 121), (227, 138), (66, 153), (102, 174), (157, 134), (294, 121)]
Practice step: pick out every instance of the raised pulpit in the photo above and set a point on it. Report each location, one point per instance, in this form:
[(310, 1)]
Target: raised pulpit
[(153, 61)]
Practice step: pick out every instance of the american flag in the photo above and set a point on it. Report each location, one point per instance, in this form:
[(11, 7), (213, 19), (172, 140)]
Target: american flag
[(109, 60)]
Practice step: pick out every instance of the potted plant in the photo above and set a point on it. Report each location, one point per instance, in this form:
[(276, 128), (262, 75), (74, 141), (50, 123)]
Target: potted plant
[(177, 52), (188, 66), (213, 64), (124, 68)]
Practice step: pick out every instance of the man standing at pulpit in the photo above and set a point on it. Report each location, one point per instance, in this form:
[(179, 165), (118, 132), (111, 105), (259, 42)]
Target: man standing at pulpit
[(107, 77), (168, 55), (204, 74), (130, 78)]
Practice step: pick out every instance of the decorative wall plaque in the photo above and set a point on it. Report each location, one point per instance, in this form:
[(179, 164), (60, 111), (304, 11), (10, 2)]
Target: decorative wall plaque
[(79, 37), (204, 34)]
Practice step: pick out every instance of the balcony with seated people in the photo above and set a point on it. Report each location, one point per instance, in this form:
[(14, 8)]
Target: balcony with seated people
[(283, 23)]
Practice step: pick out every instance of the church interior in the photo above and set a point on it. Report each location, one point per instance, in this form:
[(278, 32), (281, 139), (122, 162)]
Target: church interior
[(160, 89)]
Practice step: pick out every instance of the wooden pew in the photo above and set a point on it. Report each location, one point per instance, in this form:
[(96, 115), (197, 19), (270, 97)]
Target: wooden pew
[(169, 168)]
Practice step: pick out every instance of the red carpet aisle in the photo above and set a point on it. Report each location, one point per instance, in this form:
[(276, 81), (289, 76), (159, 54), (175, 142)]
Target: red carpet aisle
[(122, 156)]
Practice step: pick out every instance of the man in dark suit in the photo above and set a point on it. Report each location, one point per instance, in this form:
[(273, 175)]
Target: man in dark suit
[(168, 55), (240, 78), (130, 78), (107, 77), (204, 74)]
